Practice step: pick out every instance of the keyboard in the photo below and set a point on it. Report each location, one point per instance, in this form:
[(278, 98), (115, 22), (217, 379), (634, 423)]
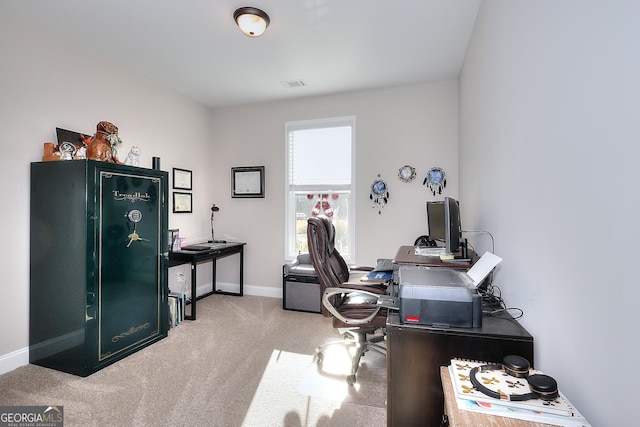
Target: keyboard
[(429, 251), (196, 248), (203, 247), (384, 265)]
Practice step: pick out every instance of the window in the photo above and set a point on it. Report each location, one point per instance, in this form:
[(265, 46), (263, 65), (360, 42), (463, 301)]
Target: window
[(319, 181)]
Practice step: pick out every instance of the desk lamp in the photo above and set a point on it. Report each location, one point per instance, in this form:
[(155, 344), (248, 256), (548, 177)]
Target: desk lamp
[(214, 209)]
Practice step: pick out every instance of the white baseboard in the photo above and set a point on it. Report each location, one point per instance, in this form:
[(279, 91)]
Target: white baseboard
[(261, 291), (13, 360)]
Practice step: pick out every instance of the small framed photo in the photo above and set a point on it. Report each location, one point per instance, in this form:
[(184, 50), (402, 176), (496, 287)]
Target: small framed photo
[(182, 179), (182, 202), (247, 181)]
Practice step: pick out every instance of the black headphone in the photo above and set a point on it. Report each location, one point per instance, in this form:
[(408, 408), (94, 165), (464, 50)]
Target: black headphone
[(425, 241), (542, 386)]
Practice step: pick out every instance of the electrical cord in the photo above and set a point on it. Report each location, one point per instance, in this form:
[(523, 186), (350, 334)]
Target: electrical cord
[(494, 303), (491, 294), (493, 244)]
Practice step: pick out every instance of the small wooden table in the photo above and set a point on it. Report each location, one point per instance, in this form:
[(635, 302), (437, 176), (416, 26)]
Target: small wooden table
[(462, 418), (212, 253)]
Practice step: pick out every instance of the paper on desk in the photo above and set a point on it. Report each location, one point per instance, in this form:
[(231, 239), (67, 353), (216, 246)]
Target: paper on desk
[(430, 251), (483, 267)]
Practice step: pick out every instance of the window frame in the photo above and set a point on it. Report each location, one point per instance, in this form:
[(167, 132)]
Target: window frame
[(290, 215)]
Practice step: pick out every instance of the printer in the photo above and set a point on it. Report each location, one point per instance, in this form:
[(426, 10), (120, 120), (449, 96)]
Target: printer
[(439, 297)]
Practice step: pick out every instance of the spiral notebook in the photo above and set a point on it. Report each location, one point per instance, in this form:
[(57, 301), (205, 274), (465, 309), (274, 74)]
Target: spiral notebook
[(559, 409)]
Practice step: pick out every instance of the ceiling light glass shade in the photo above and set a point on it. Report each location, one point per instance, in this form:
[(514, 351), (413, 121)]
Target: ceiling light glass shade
[(251, 21)]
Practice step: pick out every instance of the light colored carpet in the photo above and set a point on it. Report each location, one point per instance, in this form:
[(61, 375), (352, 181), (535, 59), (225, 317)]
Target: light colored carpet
[(328, 380), (244, 362)]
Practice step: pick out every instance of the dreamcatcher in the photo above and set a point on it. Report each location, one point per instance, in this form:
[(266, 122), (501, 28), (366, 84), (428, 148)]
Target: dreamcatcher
[(436, 180), (379, 194)]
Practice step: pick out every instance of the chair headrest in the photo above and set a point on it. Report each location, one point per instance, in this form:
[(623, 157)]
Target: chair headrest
[(326, 229), (321, 233), (331, 233), (324, 222)]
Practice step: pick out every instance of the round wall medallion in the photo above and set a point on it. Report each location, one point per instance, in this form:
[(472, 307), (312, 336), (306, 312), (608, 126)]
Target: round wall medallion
[(407, 173)]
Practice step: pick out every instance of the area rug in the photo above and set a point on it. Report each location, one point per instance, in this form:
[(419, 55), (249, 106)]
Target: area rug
[(314, 398), (328, 380)]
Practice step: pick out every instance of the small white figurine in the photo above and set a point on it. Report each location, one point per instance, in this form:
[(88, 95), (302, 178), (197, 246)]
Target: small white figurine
[(133, 158)]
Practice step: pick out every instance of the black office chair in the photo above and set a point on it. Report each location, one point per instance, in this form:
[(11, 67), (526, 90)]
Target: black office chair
[(351, 303)]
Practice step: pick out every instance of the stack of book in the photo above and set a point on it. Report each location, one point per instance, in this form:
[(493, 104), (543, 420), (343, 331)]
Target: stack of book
[(176, 308), (559, 411)]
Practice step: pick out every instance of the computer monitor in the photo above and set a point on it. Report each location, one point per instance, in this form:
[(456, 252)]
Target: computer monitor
[(453, 230), (435, 220)]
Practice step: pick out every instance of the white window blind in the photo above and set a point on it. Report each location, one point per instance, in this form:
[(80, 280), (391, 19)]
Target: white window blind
[(320, 157), (319, 181)]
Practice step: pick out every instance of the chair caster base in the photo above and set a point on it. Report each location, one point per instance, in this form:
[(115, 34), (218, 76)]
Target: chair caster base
[(351, 380)]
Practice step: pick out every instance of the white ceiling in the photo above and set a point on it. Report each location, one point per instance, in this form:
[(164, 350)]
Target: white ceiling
[(194, 46)]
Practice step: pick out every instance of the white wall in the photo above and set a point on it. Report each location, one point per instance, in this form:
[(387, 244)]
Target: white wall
[(414, 125), (549, 100), (47, 82), (549, 107)]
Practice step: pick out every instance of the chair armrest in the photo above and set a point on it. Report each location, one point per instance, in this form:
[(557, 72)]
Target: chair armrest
[(356, 282), (354, 268), (376, 288), (329, 292)]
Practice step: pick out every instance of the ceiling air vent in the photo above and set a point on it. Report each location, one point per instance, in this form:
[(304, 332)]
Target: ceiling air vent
[(294, 83)]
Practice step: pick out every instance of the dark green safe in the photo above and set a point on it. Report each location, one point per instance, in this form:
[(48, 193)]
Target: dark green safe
[(98, 285)]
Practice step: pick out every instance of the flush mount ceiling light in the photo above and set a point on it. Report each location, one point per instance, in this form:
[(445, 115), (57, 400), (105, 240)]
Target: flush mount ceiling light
[(251, 21)]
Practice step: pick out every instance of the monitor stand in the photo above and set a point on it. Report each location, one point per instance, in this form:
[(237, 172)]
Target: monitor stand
[(464, 255)]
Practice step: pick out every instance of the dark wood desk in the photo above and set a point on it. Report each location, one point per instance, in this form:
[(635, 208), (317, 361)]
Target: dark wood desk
[(215, 252), (406, 255), (415, 354)]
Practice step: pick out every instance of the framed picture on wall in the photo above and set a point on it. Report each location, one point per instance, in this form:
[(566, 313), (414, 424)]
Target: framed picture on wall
[(247, 181), (182, 179), (182, 202)]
